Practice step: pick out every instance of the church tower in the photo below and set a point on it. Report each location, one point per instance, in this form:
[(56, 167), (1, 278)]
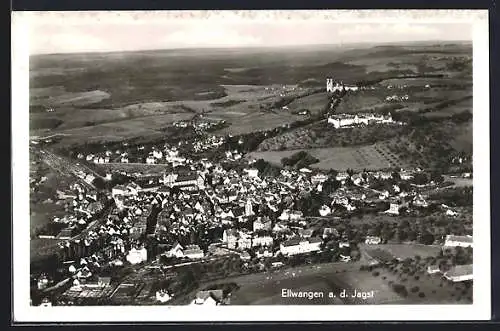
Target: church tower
[(248, 208), (329, 84)]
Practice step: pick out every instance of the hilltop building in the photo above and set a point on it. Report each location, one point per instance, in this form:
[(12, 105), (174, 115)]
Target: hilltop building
[(333, 86), (349, 120)]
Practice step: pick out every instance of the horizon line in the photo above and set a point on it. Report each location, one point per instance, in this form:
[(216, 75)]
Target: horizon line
[(340, 44)]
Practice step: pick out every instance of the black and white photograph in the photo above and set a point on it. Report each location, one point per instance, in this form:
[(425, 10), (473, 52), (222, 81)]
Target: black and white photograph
[(251, 165)]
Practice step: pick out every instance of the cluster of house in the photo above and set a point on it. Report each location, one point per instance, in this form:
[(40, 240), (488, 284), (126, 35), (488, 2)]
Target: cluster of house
[(114, 240), (394, 98), (209, 298), (390, 86), (189, 251), (81, 205), (350, 120), (457, 273), (152, 155), (207, 143), (227, 198), (210, 197), (167, 155), (198, 124)]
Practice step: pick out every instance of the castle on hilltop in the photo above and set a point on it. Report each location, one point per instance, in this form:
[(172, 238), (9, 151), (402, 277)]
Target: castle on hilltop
[(332, 86)]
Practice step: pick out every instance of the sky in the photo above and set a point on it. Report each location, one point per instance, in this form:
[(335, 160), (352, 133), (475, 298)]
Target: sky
[(101, 33)]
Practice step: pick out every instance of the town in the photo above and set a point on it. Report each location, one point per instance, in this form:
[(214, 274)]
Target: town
[(210, 202)]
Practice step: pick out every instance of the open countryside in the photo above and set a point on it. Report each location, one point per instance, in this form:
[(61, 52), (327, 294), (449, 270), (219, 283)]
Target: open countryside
[(225, 176)]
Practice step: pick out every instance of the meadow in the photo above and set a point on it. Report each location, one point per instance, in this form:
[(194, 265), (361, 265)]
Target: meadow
[(403, 251), (103, 96), (265, 288), (339, 158)]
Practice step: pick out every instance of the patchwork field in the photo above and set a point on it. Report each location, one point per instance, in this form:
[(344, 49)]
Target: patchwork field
[(417, 58), (339, 158), (241, 109), (266, 288), (434, 101), (423, 288), (314, 103), (94, 90), (402, 251)]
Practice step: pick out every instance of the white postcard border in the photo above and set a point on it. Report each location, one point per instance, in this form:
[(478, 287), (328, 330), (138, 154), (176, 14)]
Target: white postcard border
[(479, 310)]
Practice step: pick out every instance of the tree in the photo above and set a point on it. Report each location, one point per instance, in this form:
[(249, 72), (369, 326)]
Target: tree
[(355, 254), (412, 235), (330, 185), (400, 289), (99, 183), (396, 176), (420, 178), (437, 177), (427, 238)]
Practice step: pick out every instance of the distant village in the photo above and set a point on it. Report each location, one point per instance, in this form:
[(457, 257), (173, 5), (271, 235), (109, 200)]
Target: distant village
[(198, 210)]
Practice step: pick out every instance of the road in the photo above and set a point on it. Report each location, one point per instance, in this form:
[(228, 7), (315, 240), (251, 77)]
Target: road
[(67, 166), (49, 136)]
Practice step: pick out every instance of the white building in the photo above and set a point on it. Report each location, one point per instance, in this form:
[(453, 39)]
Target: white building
[(163, 296), (262, 224), (458, 241), (343, 244), (150, 160), (347, 120), (89, 178), (121, 190), (459, 273), (325, 210), (262, 241), (319, 178), (136, 256), (157, 154), (393, 209), (208, 298), (244, 243), (230, 237), (194, 180), (249, 208), (433, 269), (193, 252), (343, 175), (254, 173), (332, 86), (176, 251), (299, 246), (372, 240), (263, 253), (345, 258)]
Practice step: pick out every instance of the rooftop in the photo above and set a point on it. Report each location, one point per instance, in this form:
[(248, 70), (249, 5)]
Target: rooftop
[(460, 270), (464, 239)]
